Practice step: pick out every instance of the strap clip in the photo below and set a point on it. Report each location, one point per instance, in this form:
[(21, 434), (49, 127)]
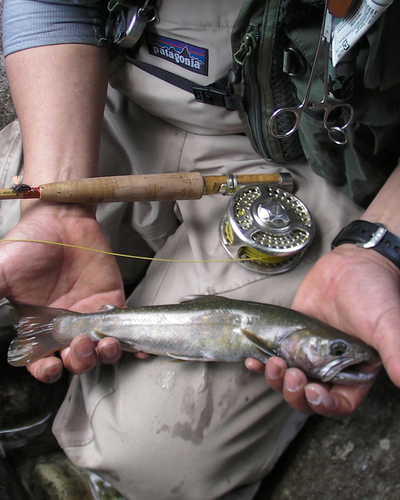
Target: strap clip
[(209, 95)]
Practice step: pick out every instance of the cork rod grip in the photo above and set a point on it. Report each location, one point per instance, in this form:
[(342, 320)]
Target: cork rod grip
[(151, 187)]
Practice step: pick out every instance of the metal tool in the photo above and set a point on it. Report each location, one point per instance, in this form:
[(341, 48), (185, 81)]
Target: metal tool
[(331, 111), (128, 24), (268, 227), (151, 187)]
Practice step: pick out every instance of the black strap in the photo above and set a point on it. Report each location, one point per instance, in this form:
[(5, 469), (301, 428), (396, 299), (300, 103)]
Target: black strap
[(370, 235), (216, 94)]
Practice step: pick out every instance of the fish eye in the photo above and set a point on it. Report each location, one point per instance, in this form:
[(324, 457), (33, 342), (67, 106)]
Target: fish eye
[(338, 348)]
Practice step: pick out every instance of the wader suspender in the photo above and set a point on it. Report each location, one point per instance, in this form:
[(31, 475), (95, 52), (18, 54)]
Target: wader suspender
[(217, 94)]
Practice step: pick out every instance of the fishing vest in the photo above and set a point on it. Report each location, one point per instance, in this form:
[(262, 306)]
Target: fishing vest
[(273, 48)]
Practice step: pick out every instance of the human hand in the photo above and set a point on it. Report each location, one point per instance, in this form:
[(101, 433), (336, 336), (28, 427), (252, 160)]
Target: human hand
[(357, 291), (59, 276)]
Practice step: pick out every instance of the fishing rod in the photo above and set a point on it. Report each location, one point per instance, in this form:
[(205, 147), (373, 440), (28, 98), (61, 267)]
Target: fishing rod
[(265, 226), (148, 187)]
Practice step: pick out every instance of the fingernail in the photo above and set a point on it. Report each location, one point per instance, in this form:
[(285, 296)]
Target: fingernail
[(53, 373), (110, 351), (83, 348), (274, 372), (313, 396), (292, 382)]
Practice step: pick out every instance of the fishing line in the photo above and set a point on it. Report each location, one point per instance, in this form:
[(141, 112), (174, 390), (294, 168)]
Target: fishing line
[(115, 254)]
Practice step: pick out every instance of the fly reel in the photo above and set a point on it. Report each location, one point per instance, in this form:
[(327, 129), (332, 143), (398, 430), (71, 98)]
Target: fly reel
[(268, 227)]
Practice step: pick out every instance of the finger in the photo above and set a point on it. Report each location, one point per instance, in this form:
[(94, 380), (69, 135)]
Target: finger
[(275, 370), (293, 391), (254, 365), (338, 402), (142, 355), (81, 356), (109, 350), (47, 370)]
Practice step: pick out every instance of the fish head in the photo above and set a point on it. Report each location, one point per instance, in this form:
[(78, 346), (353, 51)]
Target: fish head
[(325, 353)]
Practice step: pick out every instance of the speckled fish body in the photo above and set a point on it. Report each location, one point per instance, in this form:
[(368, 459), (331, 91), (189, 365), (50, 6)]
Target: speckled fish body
[(203, 329)]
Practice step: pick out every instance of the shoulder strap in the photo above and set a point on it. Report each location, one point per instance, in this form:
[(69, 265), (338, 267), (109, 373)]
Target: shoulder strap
[(217, 93)]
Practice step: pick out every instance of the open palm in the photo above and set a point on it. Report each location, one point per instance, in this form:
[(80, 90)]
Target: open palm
[(58, 276)]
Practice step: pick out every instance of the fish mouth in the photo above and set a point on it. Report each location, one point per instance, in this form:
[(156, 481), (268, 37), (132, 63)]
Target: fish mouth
[(349, 371)]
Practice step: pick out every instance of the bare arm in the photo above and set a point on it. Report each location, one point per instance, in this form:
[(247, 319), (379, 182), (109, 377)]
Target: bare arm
[(59, 95)]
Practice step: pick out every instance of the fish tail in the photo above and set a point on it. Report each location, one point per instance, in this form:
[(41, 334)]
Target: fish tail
[(36, 331)]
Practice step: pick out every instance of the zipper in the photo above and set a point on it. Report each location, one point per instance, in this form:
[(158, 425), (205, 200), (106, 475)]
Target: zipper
[(242, 65)]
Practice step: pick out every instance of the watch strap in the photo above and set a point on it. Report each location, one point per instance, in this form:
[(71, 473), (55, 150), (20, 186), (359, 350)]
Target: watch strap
[(370, 235)]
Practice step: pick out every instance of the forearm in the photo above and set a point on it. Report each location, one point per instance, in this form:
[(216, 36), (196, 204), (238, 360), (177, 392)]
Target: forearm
[(59, 95), (58, 77), (60, 109), (385, 208)]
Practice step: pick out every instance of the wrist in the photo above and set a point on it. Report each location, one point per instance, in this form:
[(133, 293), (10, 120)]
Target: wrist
[(370, 236), (385, 208), (38, 208)]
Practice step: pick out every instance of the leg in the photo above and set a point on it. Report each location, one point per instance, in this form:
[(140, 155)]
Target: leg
[(157, 429)]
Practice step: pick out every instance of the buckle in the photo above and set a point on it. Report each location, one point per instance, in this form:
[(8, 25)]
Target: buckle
[(375, 238), (209, 95), (294, 63)]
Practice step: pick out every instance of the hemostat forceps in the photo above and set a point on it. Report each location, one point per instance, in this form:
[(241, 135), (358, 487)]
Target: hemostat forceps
[(336, 133)]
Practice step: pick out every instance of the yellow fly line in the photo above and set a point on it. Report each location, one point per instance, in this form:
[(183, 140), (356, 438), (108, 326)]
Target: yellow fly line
[(115, 254), (248, 253)]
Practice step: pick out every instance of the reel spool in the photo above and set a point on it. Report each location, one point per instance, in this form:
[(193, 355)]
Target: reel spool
[(268, 227)]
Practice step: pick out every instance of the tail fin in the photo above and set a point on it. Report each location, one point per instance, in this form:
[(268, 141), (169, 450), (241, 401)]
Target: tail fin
[(35, 327)]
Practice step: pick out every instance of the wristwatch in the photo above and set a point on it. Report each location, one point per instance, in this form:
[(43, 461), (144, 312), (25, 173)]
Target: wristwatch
[(369, 235)]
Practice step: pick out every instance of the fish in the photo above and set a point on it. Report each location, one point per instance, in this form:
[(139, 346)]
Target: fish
[(206, 328)]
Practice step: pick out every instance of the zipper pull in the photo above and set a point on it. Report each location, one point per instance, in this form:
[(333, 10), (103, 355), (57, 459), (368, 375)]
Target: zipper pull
[(249, 43)]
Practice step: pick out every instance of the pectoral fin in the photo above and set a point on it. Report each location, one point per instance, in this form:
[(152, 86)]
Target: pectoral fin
[(107, 307), (184, 358), (259, 343), (191, 298)]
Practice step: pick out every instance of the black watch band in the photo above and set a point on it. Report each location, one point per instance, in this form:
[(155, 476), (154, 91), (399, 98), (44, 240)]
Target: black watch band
[(369, 235)]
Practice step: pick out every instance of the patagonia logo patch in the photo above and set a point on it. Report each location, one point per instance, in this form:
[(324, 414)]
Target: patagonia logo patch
[(183, 54)]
